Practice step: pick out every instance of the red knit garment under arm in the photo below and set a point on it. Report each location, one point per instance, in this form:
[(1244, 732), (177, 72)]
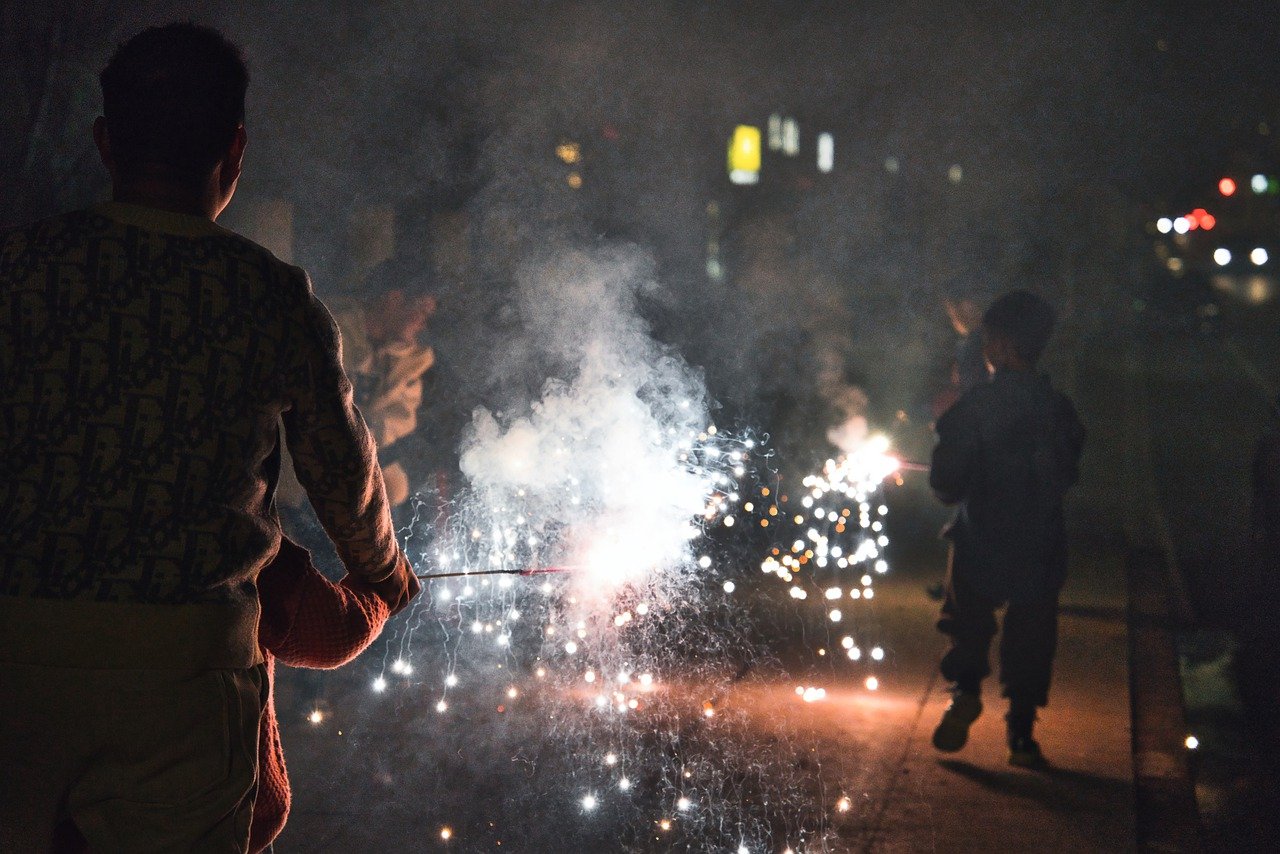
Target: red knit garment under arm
[(307, 621)]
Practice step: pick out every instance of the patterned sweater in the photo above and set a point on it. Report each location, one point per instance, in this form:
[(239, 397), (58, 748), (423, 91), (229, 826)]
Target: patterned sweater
[(147, 360)]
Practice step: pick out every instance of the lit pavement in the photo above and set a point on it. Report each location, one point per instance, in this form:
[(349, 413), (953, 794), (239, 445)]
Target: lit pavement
[(905, 796), (871, 748)]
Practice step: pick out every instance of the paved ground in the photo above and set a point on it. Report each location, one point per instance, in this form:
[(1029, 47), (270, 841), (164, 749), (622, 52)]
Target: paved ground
[(911, 798)]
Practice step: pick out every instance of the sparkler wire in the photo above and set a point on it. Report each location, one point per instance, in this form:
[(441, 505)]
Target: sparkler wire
[(548, 571)]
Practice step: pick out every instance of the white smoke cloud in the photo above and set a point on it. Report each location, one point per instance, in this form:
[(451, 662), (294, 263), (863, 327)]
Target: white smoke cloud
[(597, 460)]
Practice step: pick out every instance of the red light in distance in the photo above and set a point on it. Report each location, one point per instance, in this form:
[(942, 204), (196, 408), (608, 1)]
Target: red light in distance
[(1227, 187), (1200, 218)]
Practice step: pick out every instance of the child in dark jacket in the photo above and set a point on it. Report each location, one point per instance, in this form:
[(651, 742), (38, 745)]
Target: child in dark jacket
[(1007, 453), (307, 621)]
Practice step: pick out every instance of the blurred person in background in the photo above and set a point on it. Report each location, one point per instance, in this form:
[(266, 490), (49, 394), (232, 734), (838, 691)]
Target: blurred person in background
[(968, 365), (388, 360), (967, 368), (148, 358)]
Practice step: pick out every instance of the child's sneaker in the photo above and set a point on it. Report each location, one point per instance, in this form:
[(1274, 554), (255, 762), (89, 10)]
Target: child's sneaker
[(953, 730), (1024, 752)]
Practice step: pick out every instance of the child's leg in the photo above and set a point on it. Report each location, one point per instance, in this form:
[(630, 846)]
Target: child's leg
[(1027, 648), (968, 618)]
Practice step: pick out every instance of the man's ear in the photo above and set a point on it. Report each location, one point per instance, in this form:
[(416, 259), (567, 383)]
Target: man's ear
[(102, 139), (233, 160)]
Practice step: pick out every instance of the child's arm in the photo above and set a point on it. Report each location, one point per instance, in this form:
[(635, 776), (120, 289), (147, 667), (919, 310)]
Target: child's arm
[(307, 620), (955, 454)]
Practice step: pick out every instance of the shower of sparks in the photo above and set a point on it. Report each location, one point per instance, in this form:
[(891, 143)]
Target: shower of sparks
[(837, 547), (628, 661), (625, 645)]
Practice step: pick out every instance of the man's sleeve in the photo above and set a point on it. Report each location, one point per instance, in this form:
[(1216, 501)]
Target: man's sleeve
[(333, 453), (955, 455), (334, 623), (307, 620)]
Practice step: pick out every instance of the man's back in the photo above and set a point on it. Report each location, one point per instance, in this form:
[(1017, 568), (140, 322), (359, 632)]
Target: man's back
[(145, 360)]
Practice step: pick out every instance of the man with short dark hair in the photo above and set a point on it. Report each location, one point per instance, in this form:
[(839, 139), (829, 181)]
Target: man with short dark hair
[(1007, 453), (147, 360)]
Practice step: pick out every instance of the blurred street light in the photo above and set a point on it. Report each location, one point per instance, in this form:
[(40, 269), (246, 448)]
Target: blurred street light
[(1222, 256)]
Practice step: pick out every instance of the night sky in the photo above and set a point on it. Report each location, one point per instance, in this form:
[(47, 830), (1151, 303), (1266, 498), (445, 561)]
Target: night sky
[(1073, 123)]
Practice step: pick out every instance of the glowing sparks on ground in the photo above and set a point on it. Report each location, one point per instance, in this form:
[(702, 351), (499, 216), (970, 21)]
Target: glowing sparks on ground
[(590, 645), (839, 541)]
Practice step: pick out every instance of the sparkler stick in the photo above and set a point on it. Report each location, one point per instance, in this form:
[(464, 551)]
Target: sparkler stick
[(546, 571)]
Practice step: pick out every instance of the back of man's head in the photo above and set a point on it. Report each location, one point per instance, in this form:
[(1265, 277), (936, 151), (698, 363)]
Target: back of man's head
[(173, 97), (1023, 318)]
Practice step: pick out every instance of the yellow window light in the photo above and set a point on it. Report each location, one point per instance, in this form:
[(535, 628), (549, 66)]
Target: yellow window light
[(744, 155)]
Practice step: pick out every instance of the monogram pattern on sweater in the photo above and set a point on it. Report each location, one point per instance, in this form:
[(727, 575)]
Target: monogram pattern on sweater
[(143, 376)]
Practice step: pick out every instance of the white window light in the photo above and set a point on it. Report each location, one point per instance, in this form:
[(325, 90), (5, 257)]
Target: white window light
[(775, 132), (826, 152), (790, 137)]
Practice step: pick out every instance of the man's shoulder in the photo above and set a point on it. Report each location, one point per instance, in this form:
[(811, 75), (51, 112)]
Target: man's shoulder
[(272, 272), (237, 244), (37, 231)]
